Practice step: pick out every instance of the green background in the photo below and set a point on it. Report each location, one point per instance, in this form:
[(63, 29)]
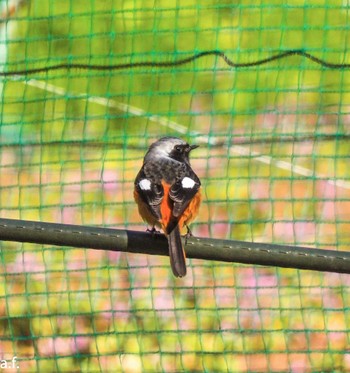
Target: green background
[(72, 142)]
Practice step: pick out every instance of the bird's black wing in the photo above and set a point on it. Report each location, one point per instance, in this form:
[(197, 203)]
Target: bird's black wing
[(181, 193), (150, 192)]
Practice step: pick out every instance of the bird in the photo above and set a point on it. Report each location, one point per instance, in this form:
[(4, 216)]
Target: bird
[(168, 194)]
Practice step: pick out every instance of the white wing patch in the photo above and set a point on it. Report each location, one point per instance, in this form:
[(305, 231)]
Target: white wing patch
[(145, 184), (187, 183)]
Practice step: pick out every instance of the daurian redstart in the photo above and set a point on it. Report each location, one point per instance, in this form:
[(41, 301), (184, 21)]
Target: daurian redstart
[(167, 192)]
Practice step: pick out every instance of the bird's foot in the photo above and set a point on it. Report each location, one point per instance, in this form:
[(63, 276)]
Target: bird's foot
[(153, 231), (188, 234)]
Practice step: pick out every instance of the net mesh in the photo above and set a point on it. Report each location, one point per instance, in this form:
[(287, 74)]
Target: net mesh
[(72, 141)]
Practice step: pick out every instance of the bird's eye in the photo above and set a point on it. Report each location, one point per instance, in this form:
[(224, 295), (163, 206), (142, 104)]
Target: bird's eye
[(178, 148)]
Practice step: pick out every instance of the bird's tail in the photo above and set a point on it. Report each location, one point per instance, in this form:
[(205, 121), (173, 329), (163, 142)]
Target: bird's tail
[(177, 253)]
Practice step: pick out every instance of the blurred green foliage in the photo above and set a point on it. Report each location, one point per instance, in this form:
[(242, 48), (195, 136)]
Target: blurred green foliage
[(108, 33)]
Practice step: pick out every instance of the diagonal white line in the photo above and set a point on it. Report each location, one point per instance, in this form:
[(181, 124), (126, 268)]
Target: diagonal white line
[(288, 166), (240, 150), (110, 103)]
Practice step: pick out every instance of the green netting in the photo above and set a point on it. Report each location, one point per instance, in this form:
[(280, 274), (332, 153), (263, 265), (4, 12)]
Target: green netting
[(273, 164)]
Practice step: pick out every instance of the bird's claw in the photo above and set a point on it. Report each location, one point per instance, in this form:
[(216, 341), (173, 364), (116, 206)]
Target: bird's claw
[(153, 231), (188, 234)]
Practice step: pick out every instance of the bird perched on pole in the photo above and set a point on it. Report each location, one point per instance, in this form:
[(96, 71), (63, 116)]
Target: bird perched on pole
[(168, 195)]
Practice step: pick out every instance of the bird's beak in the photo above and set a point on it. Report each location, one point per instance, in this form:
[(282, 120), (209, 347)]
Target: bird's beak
[(193, 147)]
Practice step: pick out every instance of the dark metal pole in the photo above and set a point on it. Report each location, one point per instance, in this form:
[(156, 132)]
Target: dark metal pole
[(197, 248)]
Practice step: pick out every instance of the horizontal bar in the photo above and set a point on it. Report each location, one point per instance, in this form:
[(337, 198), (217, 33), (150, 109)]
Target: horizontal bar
[(197, 248)]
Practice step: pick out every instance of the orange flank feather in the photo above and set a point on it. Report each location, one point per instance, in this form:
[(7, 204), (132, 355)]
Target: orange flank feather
[(191, 211), (145, 212), (187, 216)]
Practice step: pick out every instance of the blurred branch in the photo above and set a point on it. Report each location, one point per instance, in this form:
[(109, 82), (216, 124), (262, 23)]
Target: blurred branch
[(196, 248)]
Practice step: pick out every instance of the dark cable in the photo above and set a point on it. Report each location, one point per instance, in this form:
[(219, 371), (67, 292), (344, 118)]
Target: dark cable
[(217, 144), (183, 61)]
